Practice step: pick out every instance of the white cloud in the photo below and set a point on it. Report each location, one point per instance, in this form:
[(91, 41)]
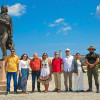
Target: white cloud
[(67, 28), (52, 25), (98, 11), (47, 34), (64, 30), (59, 30), (60, 26), (65, 24), (59, 20), (17, 9)]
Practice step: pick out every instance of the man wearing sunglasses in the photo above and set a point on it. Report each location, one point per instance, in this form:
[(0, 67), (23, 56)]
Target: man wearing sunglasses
[(11, 69), (92, 60)]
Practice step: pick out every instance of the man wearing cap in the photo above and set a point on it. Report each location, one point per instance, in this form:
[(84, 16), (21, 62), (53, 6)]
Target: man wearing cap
[(92, 60), (68, 63)]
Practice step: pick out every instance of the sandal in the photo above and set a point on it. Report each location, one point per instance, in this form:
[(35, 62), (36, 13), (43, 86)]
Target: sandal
[(45, 91), (26, 92)]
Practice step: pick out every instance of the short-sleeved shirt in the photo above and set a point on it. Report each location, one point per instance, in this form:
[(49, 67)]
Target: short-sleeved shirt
[(12, 63), (35, 65), (91, 57), (56, 63)]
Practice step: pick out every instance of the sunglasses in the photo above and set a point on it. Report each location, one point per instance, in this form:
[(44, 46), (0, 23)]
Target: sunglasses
[(12, 51)]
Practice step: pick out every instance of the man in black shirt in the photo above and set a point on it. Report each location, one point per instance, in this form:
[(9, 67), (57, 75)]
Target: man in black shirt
[(92, 60)]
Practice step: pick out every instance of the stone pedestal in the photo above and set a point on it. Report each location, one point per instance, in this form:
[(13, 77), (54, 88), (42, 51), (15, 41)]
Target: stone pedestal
[(2, 76)]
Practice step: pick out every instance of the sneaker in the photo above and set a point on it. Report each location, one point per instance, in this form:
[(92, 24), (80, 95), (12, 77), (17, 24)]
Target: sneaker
[(89, 90), (66, 90), (7, 93), (70, 90), (55, 90)]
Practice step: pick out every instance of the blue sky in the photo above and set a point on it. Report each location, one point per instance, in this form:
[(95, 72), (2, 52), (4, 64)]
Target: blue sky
[(52, 25)]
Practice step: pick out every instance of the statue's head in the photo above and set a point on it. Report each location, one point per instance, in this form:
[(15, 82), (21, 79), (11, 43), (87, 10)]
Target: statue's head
[(4, 9)]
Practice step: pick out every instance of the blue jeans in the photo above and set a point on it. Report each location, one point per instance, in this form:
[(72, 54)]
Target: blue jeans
[(19, 83), (35, 74), (9, 74)]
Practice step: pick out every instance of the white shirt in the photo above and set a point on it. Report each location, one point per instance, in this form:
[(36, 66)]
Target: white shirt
[(68, 62), (79, 66), (23, 64)]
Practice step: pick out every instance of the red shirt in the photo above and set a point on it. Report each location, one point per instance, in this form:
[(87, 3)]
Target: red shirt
[(57, 64), (35, 65)]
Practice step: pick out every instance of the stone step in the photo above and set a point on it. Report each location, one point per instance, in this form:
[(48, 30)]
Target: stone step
[(3, 82), (3, 88)]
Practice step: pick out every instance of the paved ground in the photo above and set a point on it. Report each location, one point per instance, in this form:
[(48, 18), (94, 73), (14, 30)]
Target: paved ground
[(53, 96)]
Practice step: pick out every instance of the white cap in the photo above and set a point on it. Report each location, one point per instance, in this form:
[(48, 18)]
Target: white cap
[(67, 49)]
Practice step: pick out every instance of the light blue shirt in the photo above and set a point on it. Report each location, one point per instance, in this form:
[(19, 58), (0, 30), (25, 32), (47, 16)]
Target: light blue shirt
[(68, 62)]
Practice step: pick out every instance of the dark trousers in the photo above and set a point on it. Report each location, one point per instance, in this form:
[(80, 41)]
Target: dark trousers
[(93, 71), (34, 75), (9, 74)]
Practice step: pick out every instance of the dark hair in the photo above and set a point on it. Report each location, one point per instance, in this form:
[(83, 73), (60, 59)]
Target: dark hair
[(12, 49), (43, 54), (77, 53), (55, 52), (23, 56)]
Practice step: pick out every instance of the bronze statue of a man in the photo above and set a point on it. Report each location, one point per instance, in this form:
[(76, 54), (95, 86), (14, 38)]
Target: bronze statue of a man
[(6, 29)]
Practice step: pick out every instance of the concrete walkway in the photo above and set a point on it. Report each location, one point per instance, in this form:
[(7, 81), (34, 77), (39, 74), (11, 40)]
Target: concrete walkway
[(52, 95)]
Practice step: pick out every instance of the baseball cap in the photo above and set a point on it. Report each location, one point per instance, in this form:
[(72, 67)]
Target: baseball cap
[(67, 49)]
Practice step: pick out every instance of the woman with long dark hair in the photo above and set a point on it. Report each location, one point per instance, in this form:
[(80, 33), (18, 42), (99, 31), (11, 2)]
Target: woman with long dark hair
[(45, 76), (78, 70), (23, 72)]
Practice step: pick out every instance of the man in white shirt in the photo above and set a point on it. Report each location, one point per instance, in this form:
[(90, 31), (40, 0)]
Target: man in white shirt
[(68, 62)]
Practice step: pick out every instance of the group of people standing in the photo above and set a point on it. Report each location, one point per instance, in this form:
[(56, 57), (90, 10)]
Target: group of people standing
[(43, 70)]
